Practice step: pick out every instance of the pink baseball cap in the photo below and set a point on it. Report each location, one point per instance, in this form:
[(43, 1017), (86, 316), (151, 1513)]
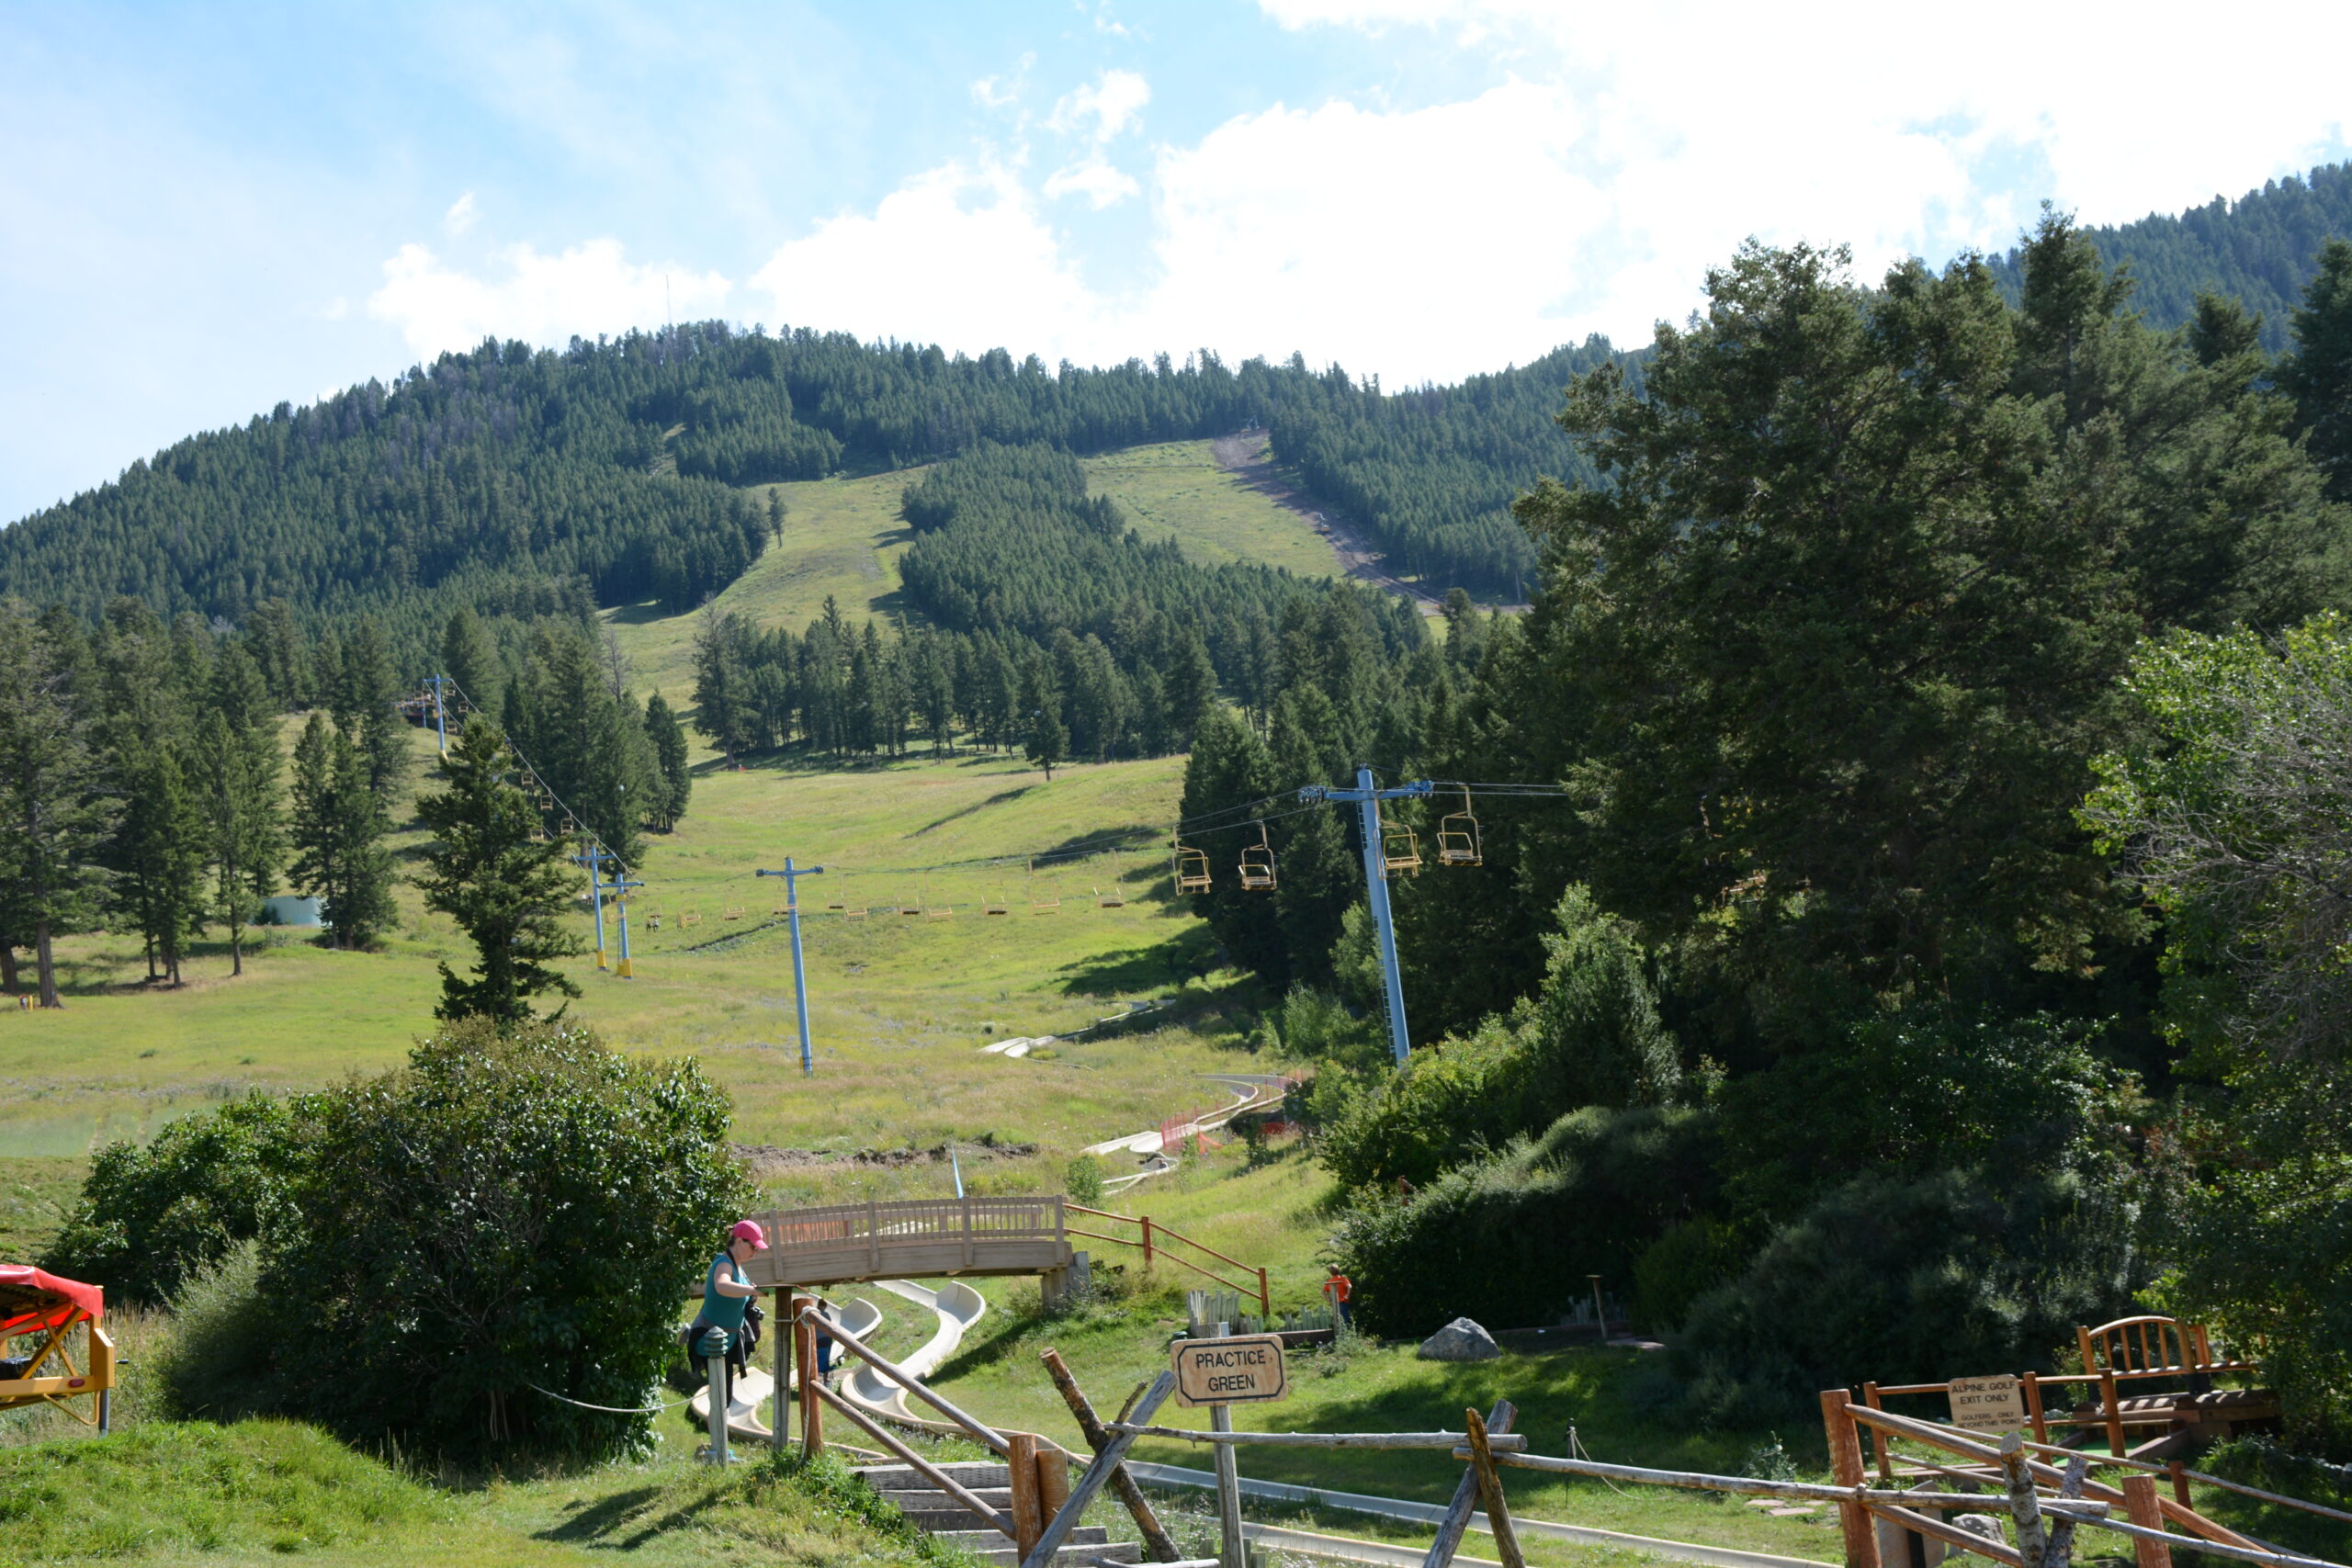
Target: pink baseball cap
[(749, 1230)]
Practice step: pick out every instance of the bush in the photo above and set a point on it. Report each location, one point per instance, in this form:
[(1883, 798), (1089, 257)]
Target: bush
[(1510, 1239), (1589, 1037), (217, 1363), (1907, 1279), (1681, 1266), (506, 1210), (1082, 1179), (150, 1220)]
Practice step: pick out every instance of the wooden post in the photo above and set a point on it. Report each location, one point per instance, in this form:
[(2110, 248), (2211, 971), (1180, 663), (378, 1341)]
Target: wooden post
[(1053, 1480), (1057, 1529), (2179, 1473), (2060, 1550), (1466, 1497), (780, 1399), (2032, 1382), (2113, 1404), (1233, 1551), (1021, 1465), (804, 1344), (1881, 1444), (2146, 1509), (1162, 1549), (1147, 1241), (2025, 1507), (1490, 1485), (1845, 1468), (1265, 1301)]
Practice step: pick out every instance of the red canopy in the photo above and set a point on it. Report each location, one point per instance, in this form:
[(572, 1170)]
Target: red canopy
[(31, 1302)]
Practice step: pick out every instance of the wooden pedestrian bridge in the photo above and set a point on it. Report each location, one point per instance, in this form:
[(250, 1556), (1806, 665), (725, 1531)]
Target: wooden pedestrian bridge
[(924, 1238), (931, 1238)]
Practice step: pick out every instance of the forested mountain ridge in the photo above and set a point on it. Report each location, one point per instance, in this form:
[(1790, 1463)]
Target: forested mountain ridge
[(2259, 249), (522, 481)]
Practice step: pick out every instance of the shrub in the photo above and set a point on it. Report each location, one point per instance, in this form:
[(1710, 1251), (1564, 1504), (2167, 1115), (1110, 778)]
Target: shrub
[(1907, 1279), (1082, 1179), (216, 1365), (152, 1219), (506, 1210), (1589, 1037), (1510, 1239), (1681, 1266)]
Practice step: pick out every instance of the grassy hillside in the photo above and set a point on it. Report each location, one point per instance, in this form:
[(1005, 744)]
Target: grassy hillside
[(843, 538), (900, 1006)]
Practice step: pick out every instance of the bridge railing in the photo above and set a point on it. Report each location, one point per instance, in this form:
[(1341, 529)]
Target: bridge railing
[(918, 1237)]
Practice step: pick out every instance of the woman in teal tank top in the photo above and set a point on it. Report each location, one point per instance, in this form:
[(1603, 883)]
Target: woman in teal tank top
[(726, 1291)]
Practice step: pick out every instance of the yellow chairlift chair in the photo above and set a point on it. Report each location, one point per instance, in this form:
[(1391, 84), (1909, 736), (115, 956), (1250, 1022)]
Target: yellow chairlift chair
[(1457, 836), (1192, 870), (1400, 850), (1257, 864)]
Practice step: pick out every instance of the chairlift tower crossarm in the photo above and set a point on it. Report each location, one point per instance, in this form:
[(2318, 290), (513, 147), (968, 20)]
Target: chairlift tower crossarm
[(1367, 799), (792, 875)]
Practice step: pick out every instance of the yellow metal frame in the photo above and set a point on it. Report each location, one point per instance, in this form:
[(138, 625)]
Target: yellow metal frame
[(97, 1380), (1459, 846), (1257, 864), (1192, 870)]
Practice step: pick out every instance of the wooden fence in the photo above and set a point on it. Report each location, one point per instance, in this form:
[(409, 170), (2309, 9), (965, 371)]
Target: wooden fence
[(1157, 1241)]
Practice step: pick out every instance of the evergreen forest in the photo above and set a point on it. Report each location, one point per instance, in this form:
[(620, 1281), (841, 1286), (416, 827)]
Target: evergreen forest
[(1908, 903)]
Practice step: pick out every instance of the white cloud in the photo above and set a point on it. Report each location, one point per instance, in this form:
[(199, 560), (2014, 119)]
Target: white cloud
[(461, 214), (957, 256), (1110, 106), (587, 289), (1003, 91), (1092, 178)]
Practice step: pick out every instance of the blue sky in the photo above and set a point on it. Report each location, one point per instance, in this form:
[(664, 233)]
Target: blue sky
[(204, 210)]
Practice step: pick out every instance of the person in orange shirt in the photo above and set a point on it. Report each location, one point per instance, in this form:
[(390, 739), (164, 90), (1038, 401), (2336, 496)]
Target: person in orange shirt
[(1337, 1290)]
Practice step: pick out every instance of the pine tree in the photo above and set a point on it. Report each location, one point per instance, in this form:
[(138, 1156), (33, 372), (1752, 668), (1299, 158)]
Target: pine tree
[(2318, 375), (508, 890), (368, 709), (160, 856), (54, 803), (237, 770), (337, 834), (677, 778), (470, 658)]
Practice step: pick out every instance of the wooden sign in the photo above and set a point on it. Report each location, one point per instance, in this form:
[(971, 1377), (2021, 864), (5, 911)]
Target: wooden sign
[(1246, 1370), (1988, 1404)]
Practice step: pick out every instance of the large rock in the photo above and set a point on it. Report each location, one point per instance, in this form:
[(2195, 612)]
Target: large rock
[(1460, 1340)]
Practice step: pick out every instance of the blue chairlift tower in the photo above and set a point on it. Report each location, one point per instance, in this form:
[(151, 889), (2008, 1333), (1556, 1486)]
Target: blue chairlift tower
[(1367, 800)]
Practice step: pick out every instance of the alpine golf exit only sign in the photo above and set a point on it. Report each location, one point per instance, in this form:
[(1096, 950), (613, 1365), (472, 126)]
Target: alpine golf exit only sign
[(1243, 1371)]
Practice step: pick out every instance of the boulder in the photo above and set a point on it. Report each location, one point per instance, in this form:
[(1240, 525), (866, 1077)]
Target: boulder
[(1460, 1340)]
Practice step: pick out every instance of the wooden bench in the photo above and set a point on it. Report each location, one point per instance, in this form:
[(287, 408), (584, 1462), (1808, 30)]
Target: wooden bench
[(2149, 1347)]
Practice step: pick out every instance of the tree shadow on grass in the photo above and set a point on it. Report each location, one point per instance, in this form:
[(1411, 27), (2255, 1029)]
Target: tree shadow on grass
[(595, 1521), (1187, 956)]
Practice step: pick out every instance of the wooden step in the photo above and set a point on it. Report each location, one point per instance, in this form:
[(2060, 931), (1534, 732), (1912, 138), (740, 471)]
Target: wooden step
[(972, 1473), (931, 1497), (995, 1550)]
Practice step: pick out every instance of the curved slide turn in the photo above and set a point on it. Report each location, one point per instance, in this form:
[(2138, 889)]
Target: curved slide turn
[(957, 1306)]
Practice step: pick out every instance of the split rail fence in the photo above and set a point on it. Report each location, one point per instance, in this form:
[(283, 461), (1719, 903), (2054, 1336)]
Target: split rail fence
[(2042, 1506)]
